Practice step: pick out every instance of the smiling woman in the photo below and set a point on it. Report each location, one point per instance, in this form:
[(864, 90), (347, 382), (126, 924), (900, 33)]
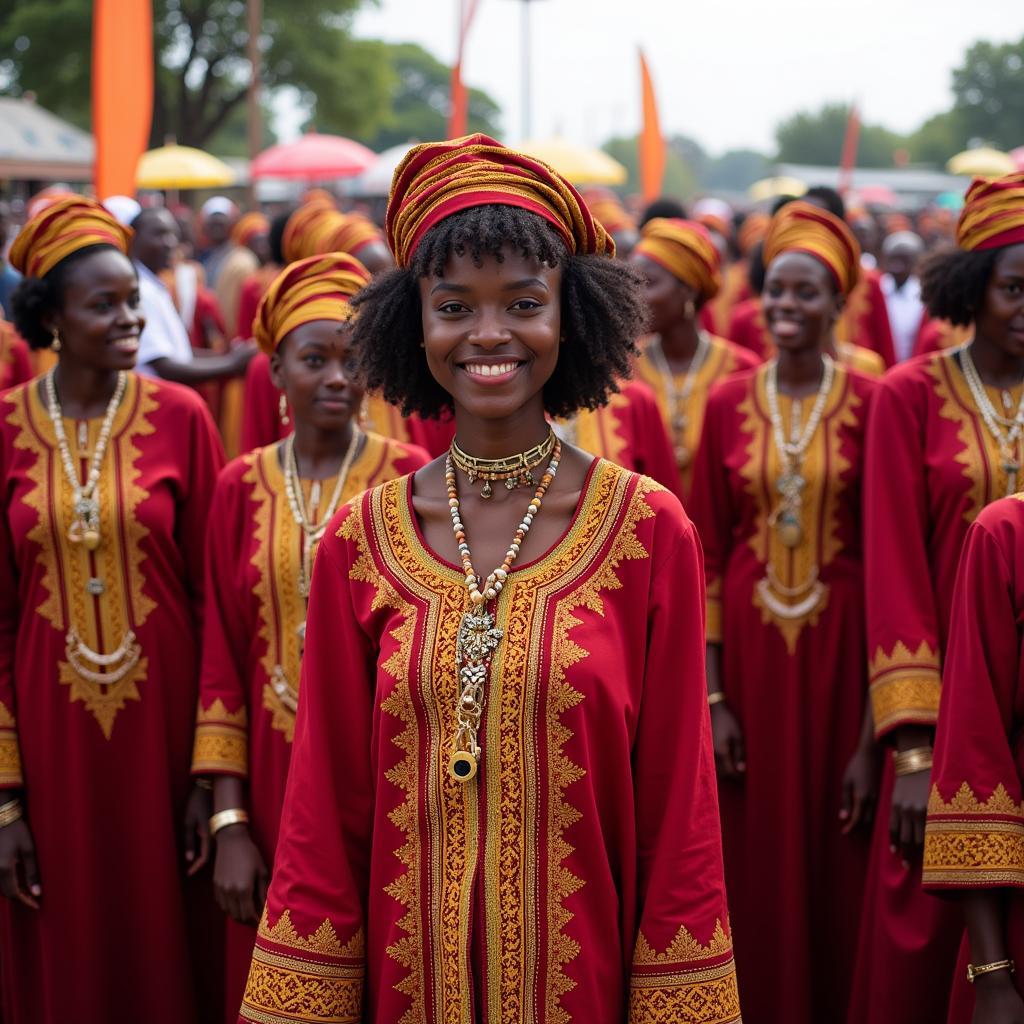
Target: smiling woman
[(107, 478), (473, 749)]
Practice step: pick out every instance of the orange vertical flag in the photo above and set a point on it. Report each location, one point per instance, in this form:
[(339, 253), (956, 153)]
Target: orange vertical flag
[(848, 160), (122, 91), (652, 143), (458, 120)]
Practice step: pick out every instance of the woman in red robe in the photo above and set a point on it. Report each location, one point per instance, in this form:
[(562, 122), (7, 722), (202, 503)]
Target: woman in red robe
[(944, 440), (974, 840), (680, 361), (107, 479), (501, 803), (256, 605), (776, 500), (15, 359)]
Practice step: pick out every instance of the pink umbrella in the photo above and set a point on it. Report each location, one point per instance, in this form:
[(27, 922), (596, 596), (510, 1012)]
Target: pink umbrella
[(1017, 156), (314, 158), (877, 195)]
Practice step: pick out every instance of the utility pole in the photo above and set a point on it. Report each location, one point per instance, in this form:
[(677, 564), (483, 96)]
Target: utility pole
[(254, 19), (527, 66)]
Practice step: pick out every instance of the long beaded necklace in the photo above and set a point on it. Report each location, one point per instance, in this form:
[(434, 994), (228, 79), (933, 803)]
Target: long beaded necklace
[(514, 471), (85, 527), (678, 396), (1008, 441), (791, 483), (478, 638)]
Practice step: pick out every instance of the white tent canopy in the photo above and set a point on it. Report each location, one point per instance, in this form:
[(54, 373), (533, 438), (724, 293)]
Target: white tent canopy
[(38, 146)]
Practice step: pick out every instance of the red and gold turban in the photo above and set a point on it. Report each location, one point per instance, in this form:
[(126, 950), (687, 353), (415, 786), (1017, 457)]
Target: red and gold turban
[(684, 248), (993, 214), (752, 230), (606, 206), (802, 227), (317, 288), (309, 230), (248, 226), (61, 228), (354, 232), (438, 179)]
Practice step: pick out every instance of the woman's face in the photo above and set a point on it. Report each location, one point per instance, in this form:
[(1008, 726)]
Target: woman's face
[(1001, 317), (492, 332), (669, 300), (800, 302), (100, 319), (313, 366)]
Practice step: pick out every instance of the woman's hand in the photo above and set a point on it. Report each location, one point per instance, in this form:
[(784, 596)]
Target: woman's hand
[(197, 829), (996, 1000), (909, 808), (240, 876), (860, 789), (730, 756), (19, 874)]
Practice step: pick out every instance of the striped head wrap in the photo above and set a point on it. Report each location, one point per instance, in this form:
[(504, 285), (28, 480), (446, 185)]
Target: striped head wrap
[(752, 230), (802, 227), (606, 206), (308, 230), (354, 232), (684, 248), (437, 179), (316, 288), (248, 227), (61, 228), (993, 214)]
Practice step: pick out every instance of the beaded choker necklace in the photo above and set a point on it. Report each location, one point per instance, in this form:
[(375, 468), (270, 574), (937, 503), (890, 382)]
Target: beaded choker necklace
[(478, 638), (515, 470)]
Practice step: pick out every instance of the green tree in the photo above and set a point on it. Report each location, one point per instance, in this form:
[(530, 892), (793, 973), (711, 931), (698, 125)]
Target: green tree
[(817, 138), (938, 139), (421, 99), (202, 71), (679, 180), (989, 93), (736, 170)]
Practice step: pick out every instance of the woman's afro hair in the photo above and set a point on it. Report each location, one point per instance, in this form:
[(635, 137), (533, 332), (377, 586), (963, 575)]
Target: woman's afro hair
[(953, 282), (602, 313)]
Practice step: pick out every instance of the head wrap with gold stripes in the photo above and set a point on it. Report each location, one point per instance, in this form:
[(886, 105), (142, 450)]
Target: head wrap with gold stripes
[(606, 206), (353, 231), (309, 230), (316, 288), (438, 179), (803, 227), (248, 227), (62, 228), (752, 230), (685, 249), (993, 214)]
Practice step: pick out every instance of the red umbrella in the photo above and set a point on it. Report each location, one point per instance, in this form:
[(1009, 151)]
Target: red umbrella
[(314, 158), (877, 195), (1017, 156)]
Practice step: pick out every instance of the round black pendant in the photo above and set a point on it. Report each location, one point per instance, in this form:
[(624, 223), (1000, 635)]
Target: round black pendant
[(462, 766)]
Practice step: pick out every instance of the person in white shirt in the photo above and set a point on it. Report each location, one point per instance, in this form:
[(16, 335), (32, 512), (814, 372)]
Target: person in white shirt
[(902, 290)]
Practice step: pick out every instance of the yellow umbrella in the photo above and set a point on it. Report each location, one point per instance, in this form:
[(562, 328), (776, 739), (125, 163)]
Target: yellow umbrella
[(580, 164), (182, 167), (983, 162), (772, 188)]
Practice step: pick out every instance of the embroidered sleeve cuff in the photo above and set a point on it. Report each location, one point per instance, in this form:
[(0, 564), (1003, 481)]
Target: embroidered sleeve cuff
[(221, 743), (10, 752), (713, 627), (905, 688), (969, 844), (312, 979)]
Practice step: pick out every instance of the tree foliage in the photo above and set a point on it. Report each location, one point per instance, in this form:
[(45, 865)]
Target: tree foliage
[(817, 138), (421, 100), (989, 93), (679, 178)]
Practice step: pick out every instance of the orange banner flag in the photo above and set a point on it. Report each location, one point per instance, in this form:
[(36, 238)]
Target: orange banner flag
[(848, 160), (652, 144), (122, 91), (458, 119)]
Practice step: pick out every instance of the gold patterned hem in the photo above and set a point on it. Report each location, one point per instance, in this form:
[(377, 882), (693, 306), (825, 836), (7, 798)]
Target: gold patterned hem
[(905, 687), (10, 752), (222, 742)]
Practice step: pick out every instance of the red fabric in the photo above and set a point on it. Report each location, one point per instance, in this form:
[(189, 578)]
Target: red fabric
[(593, 820), (865, 320), (15, 358), (748, 329), (793, 878), (105, 813), (254, 288), (931, 467)]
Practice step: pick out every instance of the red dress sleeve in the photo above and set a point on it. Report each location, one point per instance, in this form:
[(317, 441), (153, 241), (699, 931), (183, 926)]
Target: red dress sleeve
[(650, 440), (683, 953), (902, 619), (312, 935), (975, 825), (10, 751)]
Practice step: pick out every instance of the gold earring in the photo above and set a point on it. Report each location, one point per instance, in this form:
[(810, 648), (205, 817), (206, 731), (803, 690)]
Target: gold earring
[(55, 343), (364, 412), (690, 310), (282, 409)]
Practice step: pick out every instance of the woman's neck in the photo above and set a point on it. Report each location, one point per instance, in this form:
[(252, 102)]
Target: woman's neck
[(800, 371), (996, 367), (319, 453), (501, 438), (84, 391), (679, 342)]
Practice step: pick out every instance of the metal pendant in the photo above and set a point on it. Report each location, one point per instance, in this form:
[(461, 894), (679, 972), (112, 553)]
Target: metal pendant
[(96, 587), (789, 529), (486, 490), (463, 766), (683, 456)]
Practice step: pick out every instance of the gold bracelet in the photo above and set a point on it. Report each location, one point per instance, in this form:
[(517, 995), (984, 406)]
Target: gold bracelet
[(716, 698), (10, 812), (909, 762), (997, 965), (232, 816)]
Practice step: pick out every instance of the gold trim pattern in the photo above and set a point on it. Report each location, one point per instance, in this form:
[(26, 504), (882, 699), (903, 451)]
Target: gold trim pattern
[(10, 752), (964, 802), (221, 745), (905, 686), (599, 431)]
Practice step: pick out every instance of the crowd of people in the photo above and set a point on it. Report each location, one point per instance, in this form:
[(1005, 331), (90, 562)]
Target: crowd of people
[(736, 720)]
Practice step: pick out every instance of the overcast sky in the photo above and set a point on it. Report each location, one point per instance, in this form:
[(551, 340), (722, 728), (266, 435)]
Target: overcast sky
[(726, 71)]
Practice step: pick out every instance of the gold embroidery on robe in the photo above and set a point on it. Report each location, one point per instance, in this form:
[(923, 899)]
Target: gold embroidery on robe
[(905, 685), (10, 753), (221, 743)]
